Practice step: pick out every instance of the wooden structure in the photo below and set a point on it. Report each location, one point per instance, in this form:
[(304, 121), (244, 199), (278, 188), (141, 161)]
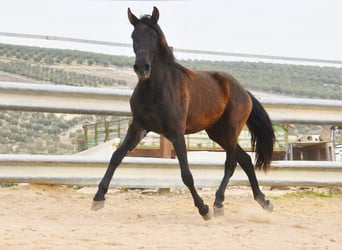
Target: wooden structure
[(154, 145), (316, 147), (313, 151), (97, 133)]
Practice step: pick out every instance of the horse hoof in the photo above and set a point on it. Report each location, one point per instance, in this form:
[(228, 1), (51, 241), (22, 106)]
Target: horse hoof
[(218, 211), (209, 215), (268, 206), (97, 205)]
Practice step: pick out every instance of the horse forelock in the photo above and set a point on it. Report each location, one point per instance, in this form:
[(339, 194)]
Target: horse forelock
[(151, 23)]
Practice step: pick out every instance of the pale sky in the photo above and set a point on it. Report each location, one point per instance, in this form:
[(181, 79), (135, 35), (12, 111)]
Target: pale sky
[(294, 28)]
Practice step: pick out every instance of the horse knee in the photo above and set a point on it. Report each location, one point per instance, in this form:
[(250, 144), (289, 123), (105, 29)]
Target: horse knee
[(229, 171)]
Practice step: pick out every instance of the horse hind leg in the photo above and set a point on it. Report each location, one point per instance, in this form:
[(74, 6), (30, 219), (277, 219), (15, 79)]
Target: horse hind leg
[(246, 164), (220, 193)]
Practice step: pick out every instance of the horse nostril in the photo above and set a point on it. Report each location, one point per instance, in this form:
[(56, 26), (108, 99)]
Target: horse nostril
[(147, 67), (135, 67)]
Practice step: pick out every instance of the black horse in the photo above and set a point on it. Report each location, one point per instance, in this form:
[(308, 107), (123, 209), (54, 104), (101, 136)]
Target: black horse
[(172, 100)]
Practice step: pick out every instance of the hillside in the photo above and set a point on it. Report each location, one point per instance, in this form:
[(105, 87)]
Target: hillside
[(34, 133), (70, 67)]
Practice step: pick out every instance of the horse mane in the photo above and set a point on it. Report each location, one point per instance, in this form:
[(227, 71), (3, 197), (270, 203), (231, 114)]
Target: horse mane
[(165, 50)]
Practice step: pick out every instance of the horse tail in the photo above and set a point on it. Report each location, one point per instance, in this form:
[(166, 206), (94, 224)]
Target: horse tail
[(262, 135)]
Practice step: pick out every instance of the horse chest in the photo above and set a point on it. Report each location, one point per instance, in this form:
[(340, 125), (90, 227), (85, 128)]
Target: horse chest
[(148, 112)]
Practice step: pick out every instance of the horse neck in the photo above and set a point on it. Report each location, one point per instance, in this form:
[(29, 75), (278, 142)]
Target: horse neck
[(162, 70)]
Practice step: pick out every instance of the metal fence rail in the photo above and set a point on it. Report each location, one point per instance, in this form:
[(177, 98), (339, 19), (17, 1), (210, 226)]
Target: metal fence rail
[(148, 172), (18, 96), (81, 100), (138, 172)]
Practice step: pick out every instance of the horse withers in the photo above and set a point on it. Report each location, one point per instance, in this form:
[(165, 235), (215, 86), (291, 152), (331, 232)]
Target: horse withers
[(172, 100)]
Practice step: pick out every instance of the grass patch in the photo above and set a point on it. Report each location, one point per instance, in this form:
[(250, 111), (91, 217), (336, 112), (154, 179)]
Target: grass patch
[(316, 192), (8, 184)]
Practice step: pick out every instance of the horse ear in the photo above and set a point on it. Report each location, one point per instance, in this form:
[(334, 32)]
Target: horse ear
[(132, 18), (155, 14)]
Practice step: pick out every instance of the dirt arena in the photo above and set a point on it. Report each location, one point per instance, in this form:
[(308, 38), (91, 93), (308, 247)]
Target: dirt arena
[(57, 217)]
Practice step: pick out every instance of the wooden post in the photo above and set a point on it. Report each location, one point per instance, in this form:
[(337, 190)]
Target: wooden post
[(165, 148)]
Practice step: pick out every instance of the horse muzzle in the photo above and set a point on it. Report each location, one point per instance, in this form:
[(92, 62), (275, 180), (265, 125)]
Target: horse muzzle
[(143, 71)]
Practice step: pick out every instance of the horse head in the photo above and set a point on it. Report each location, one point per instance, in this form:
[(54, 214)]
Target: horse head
[(148, 42)]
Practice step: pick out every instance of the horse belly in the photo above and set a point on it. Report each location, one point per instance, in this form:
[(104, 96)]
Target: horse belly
[(211, 94), (201, 117)]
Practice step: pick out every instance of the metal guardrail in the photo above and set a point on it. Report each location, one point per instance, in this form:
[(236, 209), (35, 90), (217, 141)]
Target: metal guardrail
[(142, 172), (303, 110), (17, 96), (81, 100), (138, 172)]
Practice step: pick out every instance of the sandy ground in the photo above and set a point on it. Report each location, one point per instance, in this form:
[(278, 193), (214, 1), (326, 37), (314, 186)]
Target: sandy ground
[(57, 217)]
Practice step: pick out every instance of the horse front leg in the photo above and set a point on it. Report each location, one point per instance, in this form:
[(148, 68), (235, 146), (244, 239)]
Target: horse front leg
[(133, 137), (180, 148)]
